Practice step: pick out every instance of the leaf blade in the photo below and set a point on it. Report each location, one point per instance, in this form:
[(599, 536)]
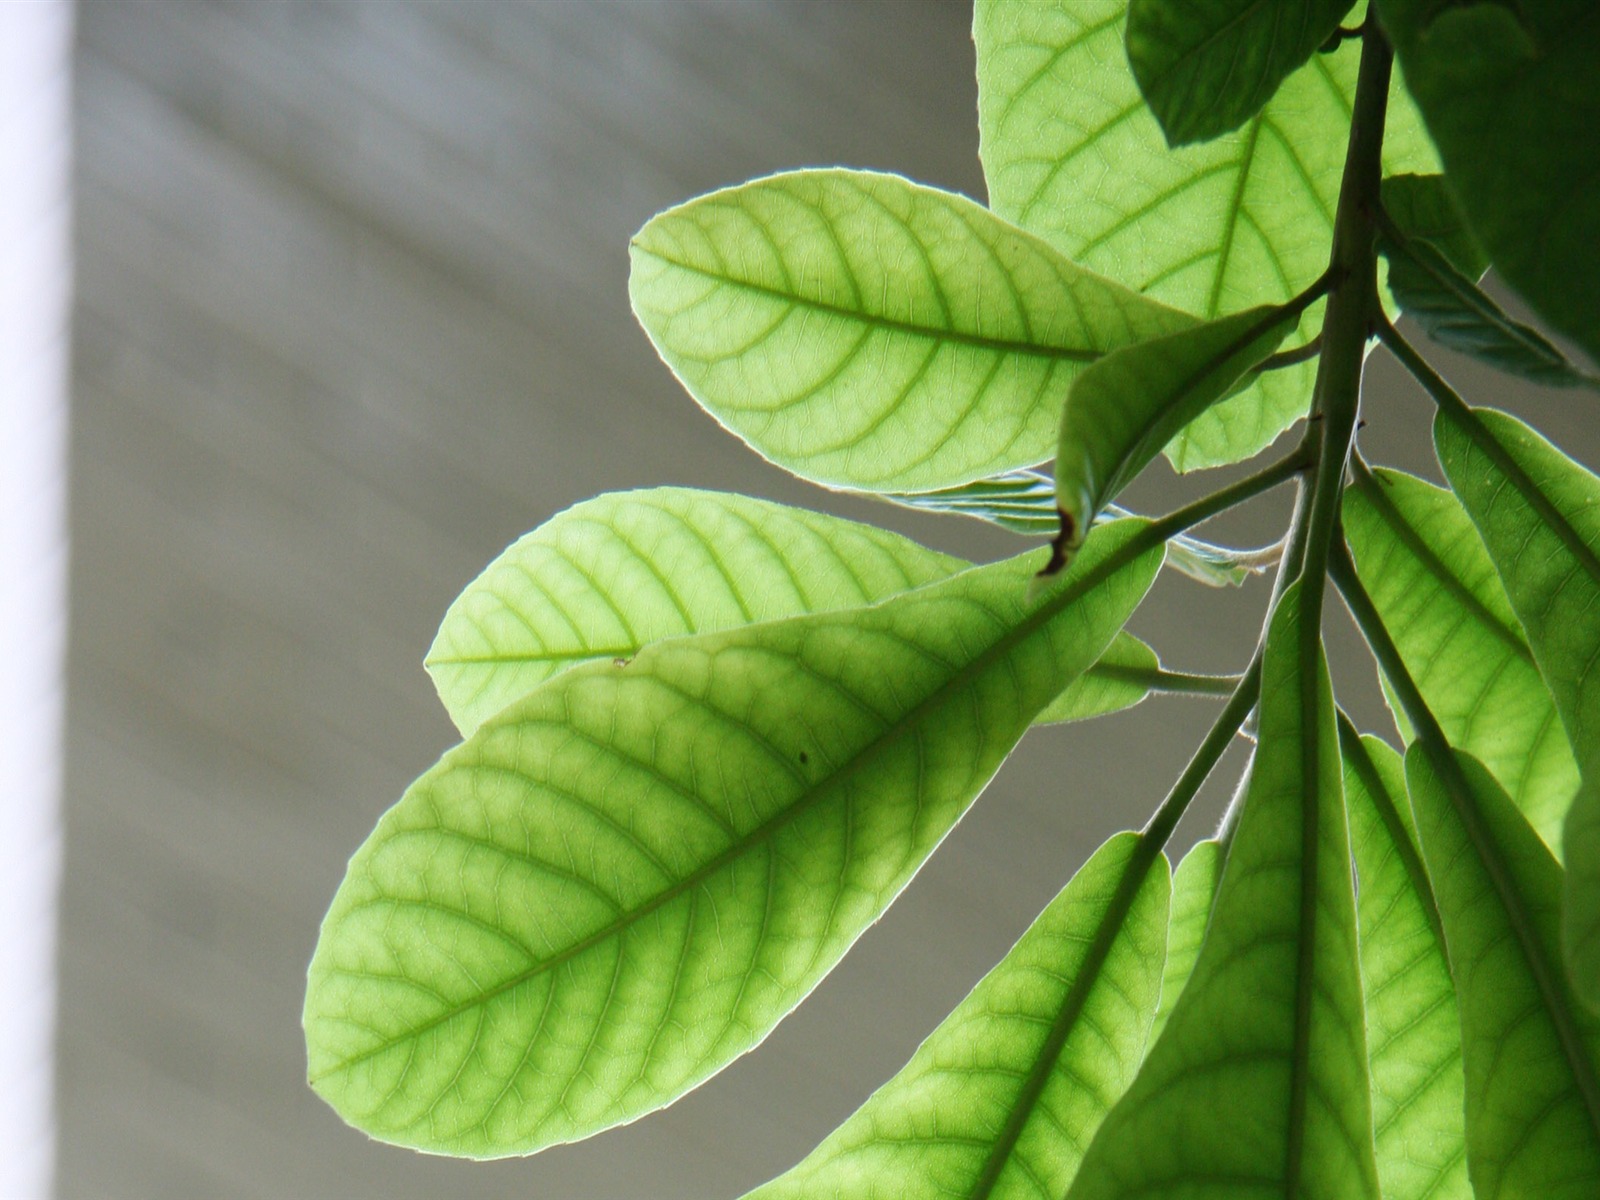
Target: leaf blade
[(1207, 68), (1529, 1053), (1126, 407), (1538, 513), (611, 575), (864, 332), (552, 868), (1508, 97), (1014, 1081), (1418, 553), (1414, 1033), (1272, 1009), (1071, 152)]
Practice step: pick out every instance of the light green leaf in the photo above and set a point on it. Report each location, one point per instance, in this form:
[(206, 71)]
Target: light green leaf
[(1423, 209), (624, 880), (1413, 1028), (1530, 1053), (1258, 1084), (1455, 312), (1025, 502), (1194, 887), (1539, 515), (1124, 408), (1119, 679), (1071, 151), (1509, 96), (1422, 562), (864, 332), (607, 577), (1006, 1093), (1207, 66)]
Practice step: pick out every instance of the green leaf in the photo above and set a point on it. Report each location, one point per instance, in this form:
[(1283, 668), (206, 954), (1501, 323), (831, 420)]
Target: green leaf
[(1120, 678), (864, 332), (1025, 502), (1532, 1091), (1071, 152), (1413, 1028), (1006, 1093), (1455, 312), (1422, 208), (1124, 408), (624, 880), (1539, 515), (1421, 560), (1194, 887), (1509, 96), (607, 577), (1258, 1083), (1206, 68)]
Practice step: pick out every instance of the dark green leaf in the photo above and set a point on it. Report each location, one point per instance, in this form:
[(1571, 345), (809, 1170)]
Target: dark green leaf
[(1207, 66), (1532, 1092), (1422, 208), (1124, 408), (1455, 312), (1006, 1093), (1071, 151), (1258, 1083), (864, 332), (624, 880), (1413, 1029), (1539, 515), (1436, 588), (1509, 94)]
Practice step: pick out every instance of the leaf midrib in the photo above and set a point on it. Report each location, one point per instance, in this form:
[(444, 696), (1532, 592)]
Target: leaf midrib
[(888, 324), (1119, 559)]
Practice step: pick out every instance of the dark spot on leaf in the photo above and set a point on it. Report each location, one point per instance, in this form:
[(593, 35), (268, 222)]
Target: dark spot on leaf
[(804, 757)]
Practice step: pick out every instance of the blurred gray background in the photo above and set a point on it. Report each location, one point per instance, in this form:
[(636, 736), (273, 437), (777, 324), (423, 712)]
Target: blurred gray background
[(351, 315)]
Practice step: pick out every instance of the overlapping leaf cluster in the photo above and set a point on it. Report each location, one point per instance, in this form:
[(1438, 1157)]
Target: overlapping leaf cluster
[(708, 738)]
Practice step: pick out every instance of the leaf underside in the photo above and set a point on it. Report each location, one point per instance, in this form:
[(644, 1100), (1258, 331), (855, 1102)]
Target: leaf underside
[(1071, 151), (1532, 1096), (1003, 1097), (623, 881), (1413, 1028), (1421, 560), (1194, 887), (864, 332), (1539, 515), (1257, 1084)]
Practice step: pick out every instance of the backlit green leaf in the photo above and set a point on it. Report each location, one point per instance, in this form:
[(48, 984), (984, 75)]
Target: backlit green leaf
[(1509, 94), (1258, 1083), (1413, 1029), (1539, 515), (1426, 570), (1194, 887), (1530, 1053), (865, 332), (625, 879), (1207, 66), (1423, 209), (1071, 151), (1119, 679), (1456, 312), (607, 577), (1003, 1097), (1126, 407)]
